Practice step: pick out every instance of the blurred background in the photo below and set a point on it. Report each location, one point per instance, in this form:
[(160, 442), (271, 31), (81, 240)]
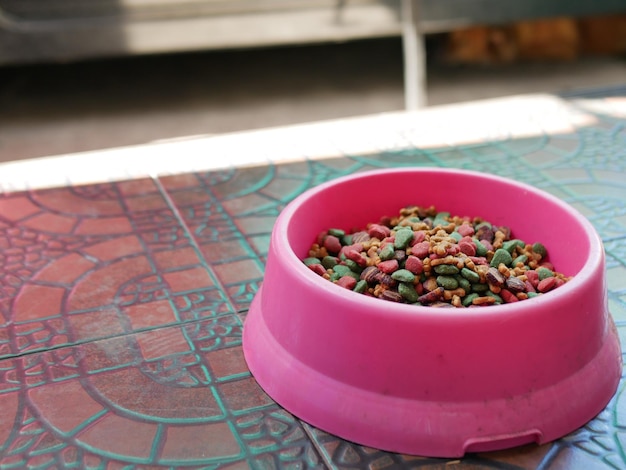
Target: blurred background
[(78, 75)]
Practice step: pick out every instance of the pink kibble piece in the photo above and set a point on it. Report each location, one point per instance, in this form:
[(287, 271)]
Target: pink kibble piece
[(508, 296), (388, 266), (317, 269), (356, 257), (418, 237), (533, 277), (332, 244), (421, 249), (378, 231), (346, 281), (467, 247), (414, 264), (546, 284), (465, 230)]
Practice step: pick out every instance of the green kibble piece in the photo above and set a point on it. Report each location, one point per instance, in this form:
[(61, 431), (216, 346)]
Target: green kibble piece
[(501, 256), (311, 261), (540, 249), (446, 269), (495, 296), (329, 262), (532, 294), (334, 277), (510, 245), (342, 270), (408, 292), (447, 282), (442, 218), (403, 275), (480, 288), (360, 287), (520, 259), (387, 252), (337, 232), (463, 283), (456, 235), (481, 250), (353, 265), (346, 240), (470, 275), (544, 273), (468, 299), (403, 238)]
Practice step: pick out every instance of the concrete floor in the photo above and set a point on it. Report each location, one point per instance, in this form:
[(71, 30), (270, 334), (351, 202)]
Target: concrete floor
[(56, 109)]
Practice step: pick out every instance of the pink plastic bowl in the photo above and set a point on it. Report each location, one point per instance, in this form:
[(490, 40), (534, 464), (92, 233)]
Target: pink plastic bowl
[(435, 382)]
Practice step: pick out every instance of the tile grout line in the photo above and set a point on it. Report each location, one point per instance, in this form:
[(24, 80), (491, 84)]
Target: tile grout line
[(114, 336), (194, 243), (326, 459)]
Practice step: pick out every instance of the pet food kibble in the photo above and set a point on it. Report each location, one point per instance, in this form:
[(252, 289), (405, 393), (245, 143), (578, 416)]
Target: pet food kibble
[(501, 256), (431, 258), (387, 252), (408, 292), (388, 266), (403, 275), (403, 237), (540, 249), (360, 287), (544, 273), (332, 244), (347, 281), (414, 264)]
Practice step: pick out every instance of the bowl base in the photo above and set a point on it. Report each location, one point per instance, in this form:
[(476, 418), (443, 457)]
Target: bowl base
[(429, 428)]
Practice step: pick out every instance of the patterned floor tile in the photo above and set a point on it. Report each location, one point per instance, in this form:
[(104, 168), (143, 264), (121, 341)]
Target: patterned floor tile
[(178, 395), (84, 263)]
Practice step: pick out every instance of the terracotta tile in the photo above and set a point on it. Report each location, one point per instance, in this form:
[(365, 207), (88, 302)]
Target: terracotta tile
[(182, 181), (104, 226), (51, 223), (176, 258), (99, 288), (225, 250), (145, 394), (114, 248), (148, 202), (239, 271), (65, 270), (227, 362), (197, 441), (149, 314), (244, 394), (104, 435), (190, 197), (58, 405), (138, 187), (86, 200), (188, 279), (36, 301), (158, 343), (95, 324), (15, 208)]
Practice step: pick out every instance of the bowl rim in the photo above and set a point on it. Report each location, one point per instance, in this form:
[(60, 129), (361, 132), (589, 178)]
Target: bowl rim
[(594, 256)]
